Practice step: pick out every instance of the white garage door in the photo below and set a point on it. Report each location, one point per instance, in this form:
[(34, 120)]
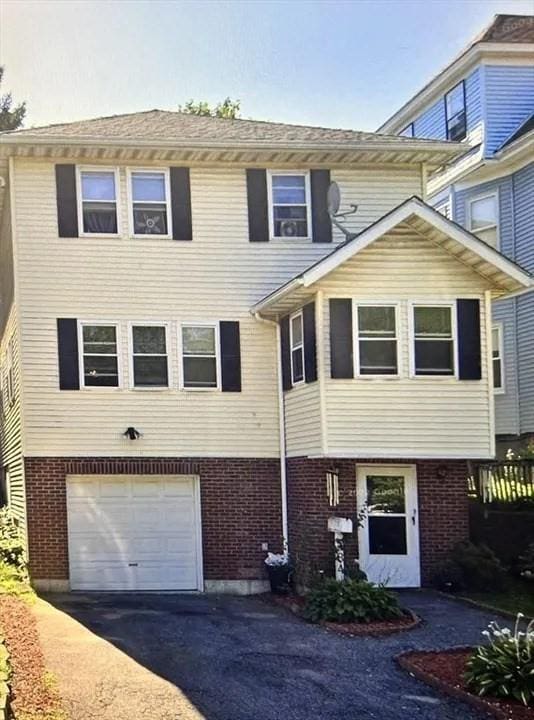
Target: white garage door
[(134, 532)]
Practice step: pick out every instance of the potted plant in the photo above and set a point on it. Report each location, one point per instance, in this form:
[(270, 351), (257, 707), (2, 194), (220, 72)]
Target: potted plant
[(279, 571)]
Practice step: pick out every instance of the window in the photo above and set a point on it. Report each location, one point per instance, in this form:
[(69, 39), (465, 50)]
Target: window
[(377, 340), (296, 332), (150, 212), (290, 205), (98, 200), (408, 131), (9, 377), (455, 113), (483, 218), (149, 356), (497, 356), (100, 358), (199, 354), (433, 340), (5, 487)]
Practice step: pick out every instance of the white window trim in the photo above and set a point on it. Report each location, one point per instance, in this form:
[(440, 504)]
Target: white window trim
[(307, 186), (7, 484), (299, 346), (79, 200), (411, 334), (9, 372), (500, 334), (215, 326), (149, 323), (168, 205), (356, 338), (97, 388), (496, 225)]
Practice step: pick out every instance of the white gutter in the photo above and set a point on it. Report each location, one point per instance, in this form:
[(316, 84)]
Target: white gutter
[(281, 427)]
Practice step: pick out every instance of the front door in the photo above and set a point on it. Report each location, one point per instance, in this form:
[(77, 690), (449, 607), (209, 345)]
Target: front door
[(388, 535)]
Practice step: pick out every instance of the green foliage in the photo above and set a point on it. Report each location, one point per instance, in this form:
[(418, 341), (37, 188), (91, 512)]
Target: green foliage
[(505, 667), (350, 601), (11, 118), (471, 567), (525, 563), (228, 108), (12, 550), (14, 581)]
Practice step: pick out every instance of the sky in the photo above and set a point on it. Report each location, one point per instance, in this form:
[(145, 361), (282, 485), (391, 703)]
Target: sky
[(319, 62)]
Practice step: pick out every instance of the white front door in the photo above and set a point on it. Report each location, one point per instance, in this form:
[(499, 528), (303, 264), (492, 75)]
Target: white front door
[(388, 536), (134, 532)]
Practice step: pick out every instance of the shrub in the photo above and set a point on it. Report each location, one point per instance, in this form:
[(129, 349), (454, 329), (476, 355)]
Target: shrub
[(505, 667), (526, 563), (471, 567), (350, 601), (12, 550)]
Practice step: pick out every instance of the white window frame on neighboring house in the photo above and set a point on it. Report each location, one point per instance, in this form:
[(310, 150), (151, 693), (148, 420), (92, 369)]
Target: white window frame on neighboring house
[(200, 388), (356, 304), (297, 347), (80, 170), (132, 355), (104, 323), (130, 172), (453, 338), (498, 389), (479, 232), (307, 187)]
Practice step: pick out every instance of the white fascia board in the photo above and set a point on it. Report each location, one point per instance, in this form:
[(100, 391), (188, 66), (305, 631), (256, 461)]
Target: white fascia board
[(277, 295)]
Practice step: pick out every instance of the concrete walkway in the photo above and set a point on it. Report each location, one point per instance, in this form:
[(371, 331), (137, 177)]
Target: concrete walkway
[(186, 657)]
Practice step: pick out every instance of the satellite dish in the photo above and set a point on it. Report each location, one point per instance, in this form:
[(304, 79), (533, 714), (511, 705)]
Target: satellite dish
[(333, 198)]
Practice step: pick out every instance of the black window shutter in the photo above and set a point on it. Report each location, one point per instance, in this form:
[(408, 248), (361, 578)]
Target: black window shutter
[(230, 356), (286, 353), (341, 338), (67, 346), (258, 212), (468, 321), (322, 227), (310, 360), (67, 210), (182, 225)]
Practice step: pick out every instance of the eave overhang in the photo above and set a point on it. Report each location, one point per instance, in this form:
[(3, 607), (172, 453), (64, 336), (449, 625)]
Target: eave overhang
[(504, 276)]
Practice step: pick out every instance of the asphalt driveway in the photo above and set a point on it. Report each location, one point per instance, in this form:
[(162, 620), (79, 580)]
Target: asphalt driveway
[(188, 657)]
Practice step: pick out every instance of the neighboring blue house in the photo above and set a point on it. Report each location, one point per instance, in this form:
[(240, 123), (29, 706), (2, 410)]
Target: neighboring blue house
[(485, 98)]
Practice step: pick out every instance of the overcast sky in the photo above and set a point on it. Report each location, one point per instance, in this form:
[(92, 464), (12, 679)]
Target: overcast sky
[(339, 64)]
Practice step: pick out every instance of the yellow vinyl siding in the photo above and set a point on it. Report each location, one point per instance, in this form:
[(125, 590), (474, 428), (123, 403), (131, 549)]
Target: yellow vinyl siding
[(303, 420)]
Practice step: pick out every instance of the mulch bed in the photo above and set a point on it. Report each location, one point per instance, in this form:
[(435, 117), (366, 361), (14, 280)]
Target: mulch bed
[(32, 696), (444, 670), (295, 603)]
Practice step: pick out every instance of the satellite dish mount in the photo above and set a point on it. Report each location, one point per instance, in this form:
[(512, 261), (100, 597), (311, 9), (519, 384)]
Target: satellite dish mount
[(333, 201)]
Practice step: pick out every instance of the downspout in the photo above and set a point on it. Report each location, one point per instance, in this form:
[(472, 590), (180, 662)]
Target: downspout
[(281, 426)]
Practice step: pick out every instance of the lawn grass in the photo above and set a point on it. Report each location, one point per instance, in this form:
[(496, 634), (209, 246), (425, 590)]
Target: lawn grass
[(518, 596)]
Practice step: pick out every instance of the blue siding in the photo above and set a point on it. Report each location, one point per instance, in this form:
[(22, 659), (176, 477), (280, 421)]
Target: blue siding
[(506, 214), (507, 404), (525, 360), (509, 95), (523, 184), (431, 124)]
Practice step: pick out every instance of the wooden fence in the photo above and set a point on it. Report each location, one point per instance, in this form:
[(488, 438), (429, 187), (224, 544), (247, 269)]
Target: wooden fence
[(503, 482)]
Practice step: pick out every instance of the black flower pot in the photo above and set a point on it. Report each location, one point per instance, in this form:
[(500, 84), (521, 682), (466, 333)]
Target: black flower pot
[(279, 577)]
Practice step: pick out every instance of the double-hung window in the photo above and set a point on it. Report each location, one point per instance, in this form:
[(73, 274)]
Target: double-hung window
[(289, 210), (100, 362), (497, 358), (455, 116), (433, 340), (150, 206), (376, 330), (484, 218), (296, 332), (98, 202), (199, 356), (149, 356)]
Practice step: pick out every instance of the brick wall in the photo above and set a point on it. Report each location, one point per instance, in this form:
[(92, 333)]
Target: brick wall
[(443, 510), (240, 503)]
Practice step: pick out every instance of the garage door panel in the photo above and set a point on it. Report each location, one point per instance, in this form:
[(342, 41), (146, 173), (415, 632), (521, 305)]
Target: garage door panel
[(133, 533)]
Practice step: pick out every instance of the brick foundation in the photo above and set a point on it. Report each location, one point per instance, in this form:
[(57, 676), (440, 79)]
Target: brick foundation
[(443, 510), (240, 504)]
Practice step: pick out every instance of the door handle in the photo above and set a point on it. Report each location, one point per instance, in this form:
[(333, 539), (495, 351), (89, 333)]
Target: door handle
[(414, 513)]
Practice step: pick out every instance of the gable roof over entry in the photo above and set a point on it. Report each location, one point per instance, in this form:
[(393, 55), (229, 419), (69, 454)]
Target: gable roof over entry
[(504, 276)]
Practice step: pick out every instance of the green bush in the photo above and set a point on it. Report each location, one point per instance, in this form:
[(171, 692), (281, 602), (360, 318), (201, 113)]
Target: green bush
[(12, 550), (505, 667), (525, 563), (471, 567), (350, 601)]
